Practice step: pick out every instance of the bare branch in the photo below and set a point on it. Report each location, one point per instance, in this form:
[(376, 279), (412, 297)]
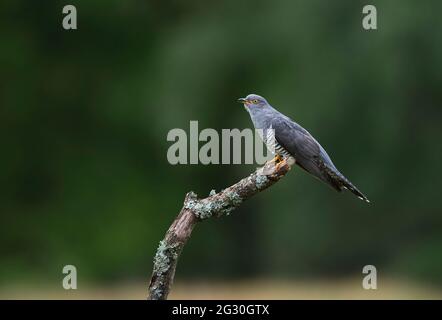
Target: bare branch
[(195, 210)]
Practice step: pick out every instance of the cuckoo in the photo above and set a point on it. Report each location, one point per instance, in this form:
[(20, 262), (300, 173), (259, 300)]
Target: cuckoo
[(293, 143)]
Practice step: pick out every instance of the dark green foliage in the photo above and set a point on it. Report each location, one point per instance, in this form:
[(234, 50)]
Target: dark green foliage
[(84, 116)]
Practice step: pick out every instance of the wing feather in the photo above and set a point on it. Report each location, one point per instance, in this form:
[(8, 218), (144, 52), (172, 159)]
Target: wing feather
[(310, 155), (303, 147)]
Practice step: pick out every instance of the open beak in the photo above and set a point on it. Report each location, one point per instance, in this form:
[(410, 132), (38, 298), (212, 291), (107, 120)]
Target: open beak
[(243, 100)]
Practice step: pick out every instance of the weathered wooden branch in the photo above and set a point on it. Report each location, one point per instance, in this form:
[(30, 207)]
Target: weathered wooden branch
[(195, 210)]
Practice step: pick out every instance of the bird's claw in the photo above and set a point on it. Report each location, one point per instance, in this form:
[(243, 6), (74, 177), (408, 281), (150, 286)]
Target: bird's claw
[(277, 159), (274, 165), (281, 163)]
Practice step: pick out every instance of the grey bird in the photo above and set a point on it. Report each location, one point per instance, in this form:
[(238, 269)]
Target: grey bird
[(291, 141)]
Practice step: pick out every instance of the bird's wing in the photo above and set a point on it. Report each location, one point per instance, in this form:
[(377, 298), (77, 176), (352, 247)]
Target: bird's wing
[(301, 145), (295, 139), (309, 154)]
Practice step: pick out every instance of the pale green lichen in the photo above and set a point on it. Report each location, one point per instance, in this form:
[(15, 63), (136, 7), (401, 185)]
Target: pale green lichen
[(156, 291), (212, 192), (205, 210), (192, 195), (234, 198), (191, 200), (165, 253), (190, 204), (218, 206), (165, 257), (161, 260), (261, 181)]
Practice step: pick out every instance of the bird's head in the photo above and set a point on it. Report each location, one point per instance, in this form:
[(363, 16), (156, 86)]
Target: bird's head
[(253, 101)]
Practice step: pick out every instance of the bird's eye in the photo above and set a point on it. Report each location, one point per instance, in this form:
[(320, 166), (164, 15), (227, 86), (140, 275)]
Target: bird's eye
[(255, 101)]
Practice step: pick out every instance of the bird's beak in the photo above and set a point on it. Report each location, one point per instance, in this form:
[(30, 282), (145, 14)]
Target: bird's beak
[(243, 100)]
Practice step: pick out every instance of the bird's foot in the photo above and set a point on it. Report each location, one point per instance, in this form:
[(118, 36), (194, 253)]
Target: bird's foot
[(277, 159), (274, 165), (281, 163)]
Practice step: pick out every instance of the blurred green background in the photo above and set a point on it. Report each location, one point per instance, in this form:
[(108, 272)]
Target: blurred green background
[(84, 117)]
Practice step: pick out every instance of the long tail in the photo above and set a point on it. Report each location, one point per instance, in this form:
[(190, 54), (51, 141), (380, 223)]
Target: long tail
[(339, 182), (348, 185)]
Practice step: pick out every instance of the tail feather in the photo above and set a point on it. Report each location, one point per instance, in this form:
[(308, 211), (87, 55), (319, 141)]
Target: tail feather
[(339, 182), (348, 185)]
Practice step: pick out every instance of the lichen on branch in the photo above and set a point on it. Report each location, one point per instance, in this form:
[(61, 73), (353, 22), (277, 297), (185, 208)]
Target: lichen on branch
[(195, 210)]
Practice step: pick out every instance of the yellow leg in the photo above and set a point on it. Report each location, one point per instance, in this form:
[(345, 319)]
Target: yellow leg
[(274, 165), (277, 159), (281, 163)]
